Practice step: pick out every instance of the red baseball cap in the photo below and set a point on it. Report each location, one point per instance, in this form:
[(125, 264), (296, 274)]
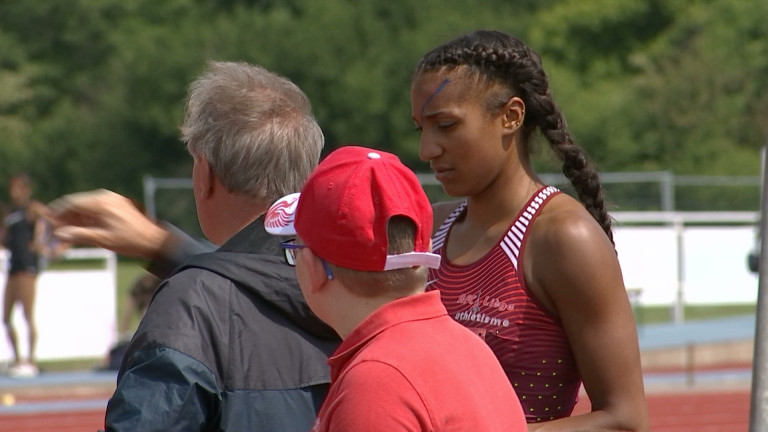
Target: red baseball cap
[(345, 205)]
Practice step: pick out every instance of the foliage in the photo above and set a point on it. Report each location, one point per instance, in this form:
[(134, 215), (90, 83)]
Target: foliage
[(91, 91), (704, 90), (662, 85)]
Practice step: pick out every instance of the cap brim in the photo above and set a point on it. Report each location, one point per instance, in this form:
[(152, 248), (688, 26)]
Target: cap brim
[(412, 259), (281, 215)]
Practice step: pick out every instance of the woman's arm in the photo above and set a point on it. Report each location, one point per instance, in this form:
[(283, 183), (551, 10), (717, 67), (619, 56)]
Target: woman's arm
[(37, 211), (574, 270)]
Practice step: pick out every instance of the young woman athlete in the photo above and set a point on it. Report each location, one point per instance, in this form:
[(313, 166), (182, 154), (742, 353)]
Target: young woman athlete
[(23, 233), (529, 269)]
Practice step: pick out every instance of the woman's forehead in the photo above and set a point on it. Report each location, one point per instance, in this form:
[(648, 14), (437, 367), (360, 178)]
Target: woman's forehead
[(434, 91), (426, 92)]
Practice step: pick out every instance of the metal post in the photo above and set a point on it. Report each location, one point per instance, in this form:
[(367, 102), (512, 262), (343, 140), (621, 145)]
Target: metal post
[(678, 308), (667, 191), (758, 413), (149, 196)]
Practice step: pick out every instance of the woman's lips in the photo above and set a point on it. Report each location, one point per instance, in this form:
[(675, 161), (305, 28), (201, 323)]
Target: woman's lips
[(442, 174)]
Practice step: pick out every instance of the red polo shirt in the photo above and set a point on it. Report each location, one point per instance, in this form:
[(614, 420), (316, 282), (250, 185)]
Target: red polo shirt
[(411, 367)]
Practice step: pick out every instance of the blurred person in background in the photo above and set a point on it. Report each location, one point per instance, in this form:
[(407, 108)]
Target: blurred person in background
[(136, 302), (135, 306), (23, 234)]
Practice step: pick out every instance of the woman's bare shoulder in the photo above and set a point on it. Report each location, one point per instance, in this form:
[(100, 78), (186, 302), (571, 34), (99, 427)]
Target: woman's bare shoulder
[(441, 210), (565, 220)]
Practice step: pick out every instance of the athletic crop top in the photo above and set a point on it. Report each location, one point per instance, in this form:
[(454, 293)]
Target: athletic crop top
[(19, 237), (490, 297)]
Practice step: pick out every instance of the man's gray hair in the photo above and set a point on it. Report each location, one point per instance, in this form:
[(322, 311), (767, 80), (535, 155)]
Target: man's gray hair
[(255, 128)]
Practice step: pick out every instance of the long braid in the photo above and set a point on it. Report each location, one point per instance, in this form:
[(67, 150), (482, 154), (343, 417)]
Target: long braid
[(576, 167), (499, 58)]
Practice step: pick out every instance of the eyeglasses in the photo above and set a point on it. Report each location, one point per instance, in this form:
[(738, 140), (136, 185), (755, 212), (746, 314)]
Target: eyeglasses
[(291, 249)]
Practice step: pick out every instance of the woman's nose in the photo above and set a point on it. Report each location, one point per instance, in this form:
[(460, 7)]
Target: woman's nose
[(428, 149)]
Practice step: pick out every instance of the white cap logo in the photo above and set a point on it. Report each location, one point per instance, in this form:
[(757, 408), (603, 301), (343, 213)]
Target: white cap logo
[(280, 216)]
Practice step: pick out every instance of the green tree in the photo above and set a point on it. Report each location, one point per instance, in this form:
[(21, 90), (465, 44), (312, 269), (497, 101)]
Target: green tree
[(59, 46), (14, 92), (703, 91), (92, 91), (651, 85)]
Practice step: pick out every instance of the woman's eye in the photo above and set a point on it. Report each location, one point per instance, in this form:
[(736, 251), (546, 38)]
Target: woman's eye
[(446, 125)]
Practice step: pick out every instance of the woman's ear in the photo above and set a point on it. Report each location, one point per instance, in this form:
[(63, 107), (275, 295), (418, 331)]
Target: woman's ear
[(513, 114)]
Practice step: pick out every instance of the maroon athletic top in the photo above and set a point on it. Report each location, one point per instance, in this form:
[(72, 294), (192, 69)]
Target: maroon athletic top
[(490, 297)]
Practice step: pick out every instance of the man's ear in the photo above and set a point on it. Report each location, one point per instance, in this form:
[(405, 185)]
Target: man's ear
[(206, 177)]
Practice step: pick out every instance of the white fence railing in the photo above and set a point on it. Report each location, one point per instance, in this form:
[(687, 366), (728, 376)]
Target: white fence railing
[(678, 258), (668, 257)]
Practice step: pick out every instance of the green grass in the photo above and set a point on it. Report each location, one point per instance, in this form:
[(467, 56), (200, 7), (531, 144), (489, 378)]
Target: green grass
[(65, 365), (662, 314)]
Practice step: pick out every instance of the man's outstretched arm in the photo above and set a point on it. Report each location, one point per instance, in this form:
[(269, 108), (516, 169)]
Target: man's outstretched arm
[(106, 219)]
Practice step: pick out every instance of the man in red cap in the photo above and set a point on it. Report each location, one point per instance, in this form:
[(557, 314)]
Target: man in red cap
[(363, 248)]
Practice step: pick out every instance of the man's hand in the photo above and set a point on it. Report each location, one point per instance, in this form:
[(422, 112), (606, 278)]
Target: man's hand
[(106, 219)]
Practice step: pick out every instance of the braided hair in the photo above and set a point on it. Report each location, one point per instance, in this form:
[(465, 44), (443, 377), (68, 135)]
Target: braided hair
[(498, 60)]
